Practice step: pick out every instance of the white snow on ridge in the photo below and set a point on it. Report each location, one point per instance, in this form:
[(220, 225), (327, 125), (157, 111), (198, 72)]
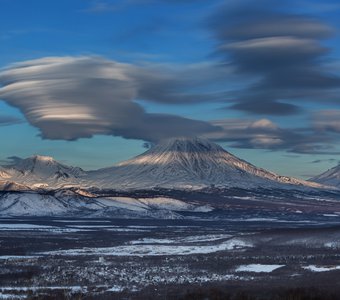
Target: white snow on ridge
[(143, 204), (42, 172), (26, 204), (69, 203), (173, 204)]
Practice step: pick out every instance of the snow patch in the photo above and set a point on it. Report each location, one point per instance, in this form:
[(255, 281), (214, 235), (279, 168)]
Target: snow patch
[(258, 268), (14, 257), (330, 215), (156, 250), (315, 268), (24, 226), (188, 239), (334, 244)]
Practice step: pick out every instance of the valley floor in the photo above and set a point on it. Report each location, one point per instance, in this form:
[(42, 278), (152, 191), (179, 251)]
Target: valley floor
[(166, 259)]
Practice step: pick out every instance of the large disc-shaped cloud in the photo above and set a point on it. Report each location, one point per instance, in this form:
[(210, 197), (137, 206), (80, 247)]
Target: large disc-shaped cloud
[(74, 97)]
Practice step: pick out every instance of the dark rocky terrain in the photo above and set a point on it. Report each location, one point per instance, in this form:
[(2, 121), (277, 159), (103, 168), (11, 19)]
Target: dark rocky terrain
[(141, 259)]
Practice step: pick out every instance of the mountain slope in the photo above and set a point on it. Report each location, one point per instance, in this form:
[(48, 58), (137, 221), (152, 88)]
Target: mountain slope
[(4, 174), (42, 171), (330, 177), (188, 163)]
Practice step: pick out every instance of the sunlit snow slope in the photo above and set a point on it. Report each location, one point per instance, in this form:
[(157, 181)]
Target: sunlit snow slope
[(188, 163), (41, 171)]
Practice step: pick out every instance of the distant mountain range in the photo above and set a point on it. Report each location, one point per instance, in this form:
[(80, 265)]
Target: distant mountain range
[(177, 178), (179, 163)]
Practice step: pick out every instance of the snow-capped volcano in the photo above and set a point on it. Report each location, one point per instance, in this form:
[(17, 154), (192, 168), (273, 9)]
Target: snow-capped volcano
[(41, 171), (330, 177), (188, 163), (178, 163)]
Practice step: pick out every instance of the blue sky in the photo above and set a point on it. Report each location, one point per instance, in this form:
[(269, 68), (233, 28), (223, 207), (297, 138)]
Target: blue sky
[(89, 82)]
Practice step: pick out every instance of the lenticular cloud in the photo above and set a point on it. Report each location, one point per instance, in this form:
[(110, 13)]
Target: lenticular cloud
[(74, 97)]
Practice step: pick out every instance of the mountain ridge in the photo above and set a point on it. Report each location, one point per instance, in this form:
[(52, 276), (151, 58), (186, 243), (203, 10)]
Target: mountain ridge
[(177, 163), (330, 177), (41, 171)]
